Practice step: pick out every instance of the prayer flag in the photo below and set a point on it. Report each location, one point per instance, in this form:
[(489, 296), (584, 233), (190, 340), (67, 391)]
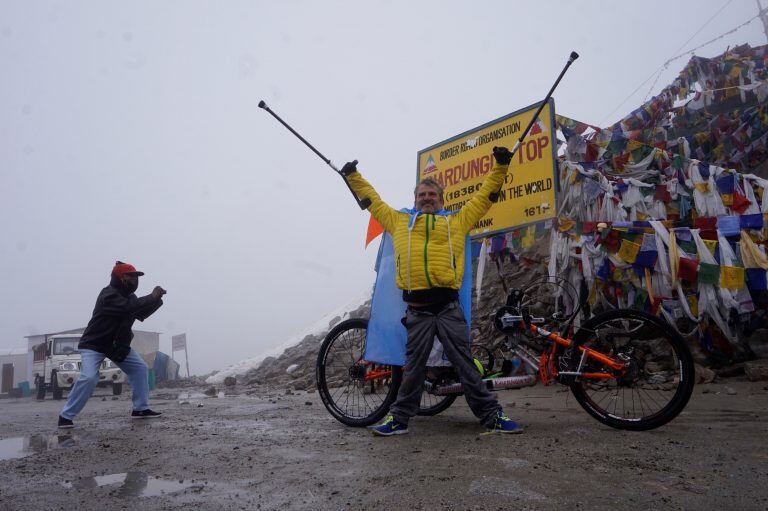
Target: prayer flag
[(756, 279), (751, 221), (725, 184), (728, 225), (498, 243), (705, 222), (740, 203), (732, 277), (628, 251), (711, 244), (709, 274), (688, 269)]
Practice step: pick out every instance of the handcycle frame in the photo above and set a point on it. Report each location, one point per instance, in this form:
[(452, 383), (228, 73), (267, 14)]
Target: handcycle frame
[(626, 359)]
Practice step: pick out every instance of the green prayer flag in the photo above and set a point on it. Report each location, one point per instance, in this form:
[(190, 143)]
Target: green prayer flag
[(688, 246), (709, 274)]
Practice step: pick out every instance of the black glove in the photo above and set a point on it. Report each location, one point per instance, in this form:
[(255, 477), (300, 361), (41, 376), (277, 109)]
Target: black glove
[(120, 352), (348, 168), (502, 155)]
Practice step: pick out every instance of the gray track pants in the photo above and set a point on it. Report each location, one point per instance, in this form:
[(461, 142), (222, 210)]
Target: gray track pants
[(451, 329)]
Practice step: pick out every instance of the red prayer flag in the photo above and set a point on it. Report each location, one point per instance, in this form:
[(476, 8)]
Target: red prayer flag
[(662, 193), (740, 203), (706, 223), (689, 269)]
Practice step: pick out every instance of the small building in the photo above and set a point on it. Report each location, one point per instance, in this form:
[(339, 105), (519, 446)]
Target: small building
[(143, 341), (13, 368)]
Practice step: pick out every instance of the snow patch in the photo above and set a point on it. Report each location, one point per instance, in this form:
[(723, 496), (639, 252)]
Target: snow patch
[(315, 328)]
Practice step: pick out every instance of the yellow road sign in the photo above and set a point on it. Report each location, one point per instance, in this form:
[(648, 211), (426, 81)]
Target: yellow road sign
[(461, 163)]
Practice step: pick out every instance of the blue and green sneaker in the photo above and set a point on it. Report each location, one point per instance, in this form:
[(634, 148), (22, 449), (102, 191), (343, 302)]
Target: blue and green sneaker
[(503, 424), (389, 427)]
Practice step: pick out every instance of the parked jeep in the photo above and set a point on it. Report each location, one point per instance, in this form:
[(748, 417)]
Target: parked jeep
[(57, 366)]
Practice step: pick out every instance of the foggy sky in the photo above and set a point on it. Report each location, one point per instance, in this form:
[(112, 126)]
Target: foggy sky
[(130, 130)]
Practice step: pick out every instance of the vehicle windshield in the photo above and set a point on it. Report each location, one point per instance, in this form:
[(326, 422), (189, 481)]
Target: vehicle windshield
[(65, 346)]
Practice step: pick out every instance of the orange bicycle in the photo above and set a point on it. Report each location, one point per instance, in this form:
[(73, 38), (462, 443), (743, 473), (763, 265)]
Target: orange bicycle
[(627, 368)]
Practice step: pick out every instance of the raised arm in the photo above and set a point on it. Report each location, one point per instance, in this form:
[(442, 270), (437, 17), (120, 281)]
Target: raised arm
[(481, 202), (381, 211)]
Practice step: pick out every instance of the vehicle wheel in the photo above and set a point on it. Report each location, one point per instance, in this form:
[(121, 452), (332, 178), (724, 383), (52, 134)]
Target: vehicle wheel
[(40, 383), (432, 404), (658, 382), (58, 392), (355, 392), (117, 389)]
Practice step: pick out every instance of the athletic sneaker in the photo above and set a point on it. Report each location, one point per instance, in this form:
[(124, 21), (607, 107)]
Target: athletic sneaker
[(503, 424), (65, 423), (389, 427), (145, 414)]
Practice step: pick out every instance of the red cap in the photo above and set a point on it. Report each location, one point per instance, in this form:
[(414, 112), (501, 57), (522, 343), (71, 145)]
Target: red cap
[(122, 268)]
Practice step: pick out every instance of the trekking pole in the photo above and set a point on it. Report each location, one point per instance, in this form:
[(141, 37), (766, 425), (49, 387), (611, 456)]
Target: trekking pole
[(364, 203), (573, 57)]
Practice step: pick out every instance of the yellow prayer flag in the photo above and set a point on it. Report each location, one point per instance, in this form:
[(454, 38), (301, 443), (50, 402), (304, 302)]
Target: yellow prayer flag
[(628, 251), (732, 277), (565, 224), (702, 187), (693, 303), (727, 199), (711, 245), (592, 295), (528, 239)]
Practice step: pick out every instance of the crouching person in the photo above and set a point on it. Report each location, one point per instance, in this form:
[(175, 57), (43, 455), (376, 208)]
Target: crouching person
[(109, 335)]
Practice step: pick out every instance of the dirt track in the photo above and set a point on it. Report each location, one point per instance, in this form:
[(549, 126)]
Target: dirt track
[(281, 452)]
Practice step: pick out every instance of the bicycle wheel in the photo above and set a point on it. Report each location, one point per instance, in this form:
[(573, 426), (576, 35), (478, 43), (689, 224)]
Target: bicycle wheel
[(354, 391), (659, 379), (432, 404)]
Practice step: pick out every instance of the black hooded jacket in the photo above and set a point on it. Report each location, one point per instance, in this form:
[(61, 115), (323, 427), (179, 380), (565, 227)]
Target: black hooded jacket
[(113, 316)]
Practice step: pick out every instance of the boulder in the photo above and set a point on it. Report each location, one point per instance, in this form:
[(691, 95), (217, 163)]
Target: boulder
[(756, 370), (230, 381), (704, 374), (758, 341)]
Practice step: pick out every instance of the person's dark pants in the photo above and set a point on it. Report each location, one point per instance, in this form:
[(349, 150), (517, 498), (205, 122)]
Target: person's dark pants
[(450, 327)]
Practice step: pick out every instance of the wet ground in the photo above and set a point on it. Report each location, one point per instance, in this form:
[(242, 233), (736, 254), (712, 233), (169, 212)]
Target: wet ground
[(286, 452)]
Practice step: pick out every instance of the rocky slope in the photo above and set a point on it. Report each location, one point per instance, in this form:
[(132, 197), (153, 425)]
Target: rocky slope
[(295, 367)]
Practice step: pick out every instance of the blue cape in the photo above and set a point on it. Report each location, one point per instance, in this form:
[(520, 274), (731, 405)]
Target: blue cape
[(386, 336)]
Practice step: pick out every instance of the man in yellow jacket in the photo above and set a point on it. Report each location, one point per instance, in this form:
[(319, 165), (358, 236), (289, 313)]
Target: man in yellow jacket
[(429, 247)]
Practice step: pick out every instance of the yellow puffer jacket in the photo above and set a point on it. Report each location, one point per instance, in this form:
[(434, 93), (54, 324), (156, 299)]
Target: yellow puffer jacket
[(431, 252)]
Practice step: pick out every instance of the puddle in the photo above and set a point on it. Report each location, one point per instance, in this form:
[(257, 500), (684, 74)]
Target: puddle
[(134, 484), (23, 446)]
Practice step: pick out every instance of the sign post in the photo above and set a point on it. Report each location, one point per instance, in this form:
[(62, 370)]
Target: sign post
[(527, 196), (179, 342)]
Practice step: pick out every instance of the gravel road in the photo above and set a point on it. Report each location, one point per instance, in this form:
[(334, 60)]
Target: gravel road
[(286, 452)]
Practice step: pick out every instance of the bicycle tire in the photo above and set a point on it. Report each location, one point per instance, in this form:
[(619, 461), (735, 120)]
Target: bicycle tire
[(661, 378), (339, 374), (432, 404)]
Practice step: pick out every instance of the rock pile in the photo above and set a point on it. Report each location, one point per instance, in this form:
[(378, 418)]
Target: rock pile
[(295, 367)]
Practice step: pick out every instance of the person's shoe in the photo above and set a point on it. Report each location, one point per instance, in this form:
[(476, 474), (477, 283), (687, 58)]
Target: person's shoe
[(389, 427), (503, 424), (65, 423), (145, 414)]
